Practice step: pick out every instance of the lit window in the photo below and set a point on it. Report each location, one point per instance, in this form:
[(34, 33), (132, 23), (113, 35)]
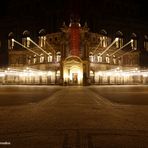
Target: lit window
[(58, 56), (91, 57), (58, 73), (42, 41), (10, 44), (134, 41), (25, 39), (114, 60), (119, 43), (34, 59), (49, 58), (99, 58), (103, 41), (10, 40), (134, 44), (41, 58), (26, 42), (29, 60), (91, 73), (107, 58)]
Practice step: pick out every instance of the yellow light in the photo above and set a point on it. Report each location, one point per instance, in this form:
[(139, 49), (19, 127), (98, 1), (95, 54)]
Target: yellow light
[(28, 38), (116, 39)]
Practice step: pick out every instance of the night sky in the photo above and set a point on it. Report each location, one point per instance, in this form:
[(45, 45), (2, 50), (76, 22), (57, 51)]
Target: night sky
[(111, 8)]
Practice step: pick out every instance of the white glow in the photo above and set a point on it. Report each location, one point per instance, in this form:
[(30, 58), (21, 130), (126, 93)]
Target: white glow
[(28, 38), (116, 39)]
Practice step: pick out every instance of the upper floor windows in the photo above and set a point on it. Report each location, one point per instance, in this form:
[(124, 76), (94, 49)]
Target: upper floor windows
[(42, 41), (107, 58), (49, 58), (42, 38), (25, 40), (103, 41), (134, 41), (42, 58), (34, 59), (10, 40), (119, 42), (91, 57), (58, 56), (103, 38), (99, 58)]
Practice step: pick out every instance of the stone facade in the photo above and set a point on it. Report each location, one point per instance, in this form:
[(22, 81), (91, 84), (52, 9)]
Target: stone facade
[(73, 56)]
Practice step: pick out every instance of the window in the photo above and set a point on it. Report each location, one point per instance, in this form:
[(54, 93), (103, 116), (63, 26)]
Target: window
[(56, 39), (114, 59), (26, 42), (42, 58), (134, 41), (10, 40), (49, 58), (103, 41), (29, 60), (58, 56), (10, 44), (107, 58), (103, 38), (134, 44), (119, 42), (34, 59), (99, 58), (91, 57), (25, 39), (42, 41)]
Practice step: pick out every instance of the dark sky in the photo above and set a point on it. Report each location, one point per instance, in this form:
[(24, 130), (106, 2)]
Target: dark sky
[(37, 8)]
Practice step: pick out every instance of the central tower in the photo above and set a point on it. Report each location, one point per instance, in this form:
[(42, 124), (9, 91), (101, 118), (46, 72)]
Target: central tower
[(74, 34)]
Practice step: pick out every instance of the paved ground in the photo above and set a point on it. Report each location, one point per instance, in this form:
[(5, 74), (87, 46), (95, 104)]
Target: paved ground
[(74, 117)]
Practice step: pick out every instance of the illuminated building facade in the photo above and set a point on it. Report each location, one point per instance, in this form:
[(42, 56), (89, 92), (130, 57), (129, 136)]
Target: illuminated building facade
[(74, 56)]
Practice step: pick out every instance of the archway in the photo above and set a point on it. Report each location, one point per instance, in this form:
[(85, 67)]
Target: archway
[(73, 71)]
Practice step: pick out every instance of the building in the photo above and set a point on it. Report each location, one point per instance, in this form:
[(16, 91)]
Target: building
[(74, 56)]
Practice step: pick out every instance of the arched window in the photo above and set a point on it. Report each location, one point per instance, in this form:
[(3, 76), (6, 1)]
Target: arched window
[(42, 38), (119, 42), (29, 60), (42, 58), (99, 57), (103, 38), (25, 39), (107, 58), (34, 59), (91, 57), (146, 42), (134, 41), (49, 58), (58, 56), (114, 59), (10, 40)]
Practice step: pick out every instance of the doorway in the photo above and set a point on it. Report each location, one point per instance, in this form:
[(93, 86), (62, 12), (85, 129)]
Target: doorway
[(75, 78)]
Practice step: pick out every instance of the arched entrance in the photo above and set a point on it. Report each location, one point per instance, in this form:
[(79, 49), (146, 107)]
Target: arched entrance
[(73, 71)]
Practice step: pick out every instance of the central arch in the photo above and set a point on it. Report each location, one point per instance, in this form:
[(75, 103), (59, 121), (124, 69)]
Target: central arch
[(73, 70)]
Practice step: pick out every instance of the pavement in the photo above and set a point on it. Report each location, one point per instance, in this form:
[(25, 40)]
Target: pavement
[(74, 117)]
